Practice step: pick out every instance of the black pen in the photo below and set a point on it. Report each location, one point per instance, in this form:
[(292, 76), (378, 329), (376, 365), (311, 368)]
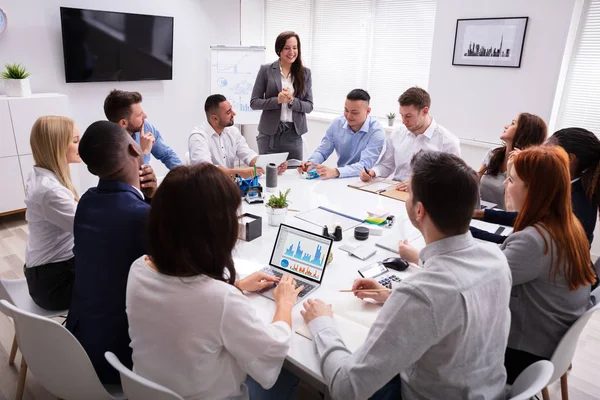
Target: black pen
[(367, 171)]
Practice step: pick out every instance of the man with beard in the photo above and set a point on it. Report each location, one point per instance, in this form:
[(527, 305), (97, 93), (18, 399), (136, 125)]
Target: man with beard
[(220, 143), (442, 331), (125, 109)]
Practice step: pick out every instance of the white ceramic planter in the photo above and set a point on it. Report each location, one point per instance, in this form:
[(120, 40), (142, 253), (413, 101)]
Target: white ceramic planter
[(391, 121), (276, 216), (17, 87)]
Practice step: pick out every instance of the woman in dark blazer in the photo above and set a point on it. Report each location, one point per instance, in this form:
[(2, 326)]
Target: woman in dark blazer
[(283, 90)]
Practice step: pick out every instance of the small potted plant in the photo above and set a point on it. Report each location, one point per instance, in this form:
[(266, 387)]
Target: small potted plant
[(16, 83), (391, 117), (277, 208)]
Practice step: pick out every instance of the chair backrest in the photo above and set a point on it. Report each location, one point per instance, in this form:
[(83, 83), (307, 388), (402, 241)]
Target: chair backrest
[(4, 292), (55, 356), (563, 355), (137, 387), (531, 381), (186, 160)]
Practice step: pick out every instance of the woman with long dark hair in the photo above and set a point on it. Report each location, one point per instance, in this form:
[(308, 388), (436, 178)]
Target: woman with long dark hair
[(191, 327), (548, 255), (283, 90), (524, 131)]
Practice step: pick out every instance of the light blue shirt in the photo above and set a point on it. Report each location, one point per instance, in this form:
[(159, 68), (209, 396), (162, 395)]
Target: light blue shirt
[(160, 150), (355, 150)]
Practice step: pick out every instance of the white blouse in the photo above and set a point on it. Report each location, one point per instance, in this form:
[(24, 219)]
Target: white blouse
[(50, 214), (200, 337)]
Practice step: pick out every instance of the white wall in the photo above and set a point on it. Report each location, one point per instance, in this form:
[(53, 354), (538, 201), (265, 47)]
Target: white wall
[(33, 37), (476, 102)]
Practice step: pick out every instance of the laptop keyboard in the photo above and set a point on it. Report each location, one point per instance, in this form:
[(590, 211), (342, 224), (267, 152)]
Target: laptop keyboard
[(307, 286), (388, 279)]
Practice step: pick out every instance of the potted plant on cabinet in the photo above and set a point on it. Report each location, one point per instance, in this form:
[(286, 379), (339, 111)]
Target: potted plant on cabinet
[(277, 208), (15, 79), (391, 118)]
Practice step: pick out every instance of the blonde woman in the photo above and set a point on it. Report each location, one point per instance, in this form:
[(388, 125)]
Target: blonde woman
[(51, 200)]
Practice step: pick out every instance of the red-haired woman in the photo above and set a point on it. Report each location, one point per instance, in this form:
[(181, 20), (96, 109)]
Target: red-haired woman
[(548, 255)]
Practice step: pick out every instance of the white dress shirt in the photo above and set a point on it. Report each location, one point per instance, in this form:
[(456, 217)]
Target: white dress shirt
[(50, 213), (206, 145), (286, 112), (199, 336), (403, 144)]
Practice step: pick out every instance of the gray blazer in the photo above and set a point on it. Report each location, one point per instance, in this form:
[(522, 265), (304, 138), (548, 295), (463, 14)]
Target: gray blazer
[(264, 97), (542, 309)]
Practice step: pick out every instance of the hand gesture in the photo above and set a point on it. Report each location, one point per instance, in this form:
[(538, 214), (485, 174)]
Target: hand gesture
[(148, 182), (249, 172), (256, 282), (146, 141), (368, 283), (408, 252), (366, 177), (327, 172), (283, 96), (305, 166), (282, 168), (314, 309), (286, 291), (403, 186)]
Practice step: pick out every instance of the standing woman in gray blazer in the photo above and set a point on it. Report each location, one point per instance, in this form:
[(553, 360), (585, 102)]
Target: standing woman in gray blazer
[(283, 90), (548, 255)]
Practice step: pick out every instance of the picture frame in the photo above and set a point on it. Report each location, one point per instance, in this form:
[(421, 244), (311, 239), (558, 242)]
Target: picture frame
[(489, 42)]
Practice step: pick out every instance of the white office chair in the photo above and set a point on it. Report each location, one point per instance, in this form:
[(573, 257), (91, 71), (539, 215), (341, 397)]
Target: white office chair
[(533, 379), (16, 292), (57, 359), (563, 355), (137, 387)]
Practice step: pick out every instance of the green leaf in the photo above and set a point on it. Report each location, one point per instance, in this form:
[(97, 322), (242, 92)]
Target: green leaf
[(280, 201), (14, 71)]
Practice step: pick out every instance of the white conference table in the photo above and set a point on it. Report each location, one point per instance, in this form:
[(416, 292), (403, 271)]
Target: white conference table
[(306, 195)]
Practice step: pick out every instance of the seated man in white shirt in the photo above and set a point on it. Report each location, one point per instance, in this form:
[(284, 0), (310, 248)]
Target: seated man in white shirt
[(220, 143), (442, 331), (419, 131)]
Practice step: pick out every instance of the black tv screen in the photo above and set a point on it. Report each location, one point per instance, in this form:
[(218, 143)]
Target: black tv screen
[(101, 46)]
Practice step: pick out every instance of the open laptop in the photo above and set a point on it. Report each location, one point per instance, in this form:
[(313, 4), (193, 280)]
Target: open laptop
[(276, 158), (299, 253)]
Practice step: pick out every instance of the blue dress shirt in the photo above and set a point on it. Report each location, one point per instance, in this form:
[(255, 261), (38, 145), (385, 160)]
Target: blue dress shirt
[(160, 150), (355, 150)]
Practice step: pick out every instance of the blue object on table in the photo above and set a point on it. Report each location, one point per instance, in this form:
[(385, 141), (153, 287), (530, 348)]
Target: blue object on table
[(245, 184)]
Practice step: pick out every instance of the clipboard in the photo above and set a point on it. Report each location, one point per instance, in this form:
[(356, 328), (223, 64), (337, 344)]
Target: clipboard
[(381, 186)]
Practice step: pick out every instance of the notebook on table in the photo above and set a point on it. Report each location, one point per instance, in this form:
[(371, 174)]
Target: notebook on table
[(381, 186)]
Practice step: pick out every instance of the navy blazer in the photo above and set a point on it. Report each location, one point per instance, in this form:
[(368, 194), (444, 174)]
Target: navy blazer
[(264, 97), (109, 233)]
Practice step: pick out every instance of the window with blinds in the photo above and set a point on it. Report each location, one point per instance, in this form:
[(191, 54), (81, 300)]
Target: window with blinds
[(580, 103), (382, 46)]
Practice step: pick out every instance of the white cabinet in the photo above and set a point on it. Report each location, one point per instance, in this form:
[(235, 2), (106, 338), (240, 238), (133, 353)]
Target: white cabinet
[(7, 138), (13, 192), (17, 115)]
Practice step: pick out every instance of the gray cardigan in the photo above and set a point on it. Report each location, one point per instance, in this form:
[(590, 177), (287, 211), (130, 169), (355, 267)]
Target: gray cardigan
[(542, 309), (264, 97)]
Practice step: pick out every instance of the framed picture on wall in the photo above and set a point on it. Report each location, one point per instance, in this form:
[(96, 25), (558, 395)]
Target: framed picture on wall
[(489, 42)]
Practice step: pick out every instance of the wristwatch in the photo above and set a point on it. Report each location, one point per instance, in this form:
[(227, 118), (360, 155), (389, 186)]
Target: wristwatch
[(290, 103)]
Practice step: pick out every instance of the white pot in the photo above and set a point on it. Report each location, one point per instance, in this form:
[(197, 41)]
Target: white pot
[(17, 87), (276, 215), (391, 121)]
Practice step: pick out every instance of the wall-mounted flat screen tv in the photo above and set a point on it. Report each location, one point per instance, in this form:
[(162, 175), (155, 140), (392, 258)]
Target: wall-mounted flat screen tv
[(101, 46)]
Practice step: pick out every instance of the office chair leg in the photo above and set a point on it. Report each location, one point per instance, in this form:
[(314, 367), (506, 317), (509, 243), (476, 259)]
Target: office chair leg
[(13, 351), (545, 393), (564, 387), (22, 376)]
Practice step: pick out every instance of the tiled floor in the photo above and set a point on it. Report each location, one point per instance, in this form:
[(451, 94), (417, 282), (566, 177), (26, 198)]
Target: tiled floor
[(584, 378)]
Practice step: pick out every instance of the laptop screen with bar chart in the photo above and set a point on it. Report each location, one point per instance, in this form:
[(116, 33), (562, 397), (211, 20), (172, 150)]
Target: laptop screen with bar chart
[(301, 252)]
